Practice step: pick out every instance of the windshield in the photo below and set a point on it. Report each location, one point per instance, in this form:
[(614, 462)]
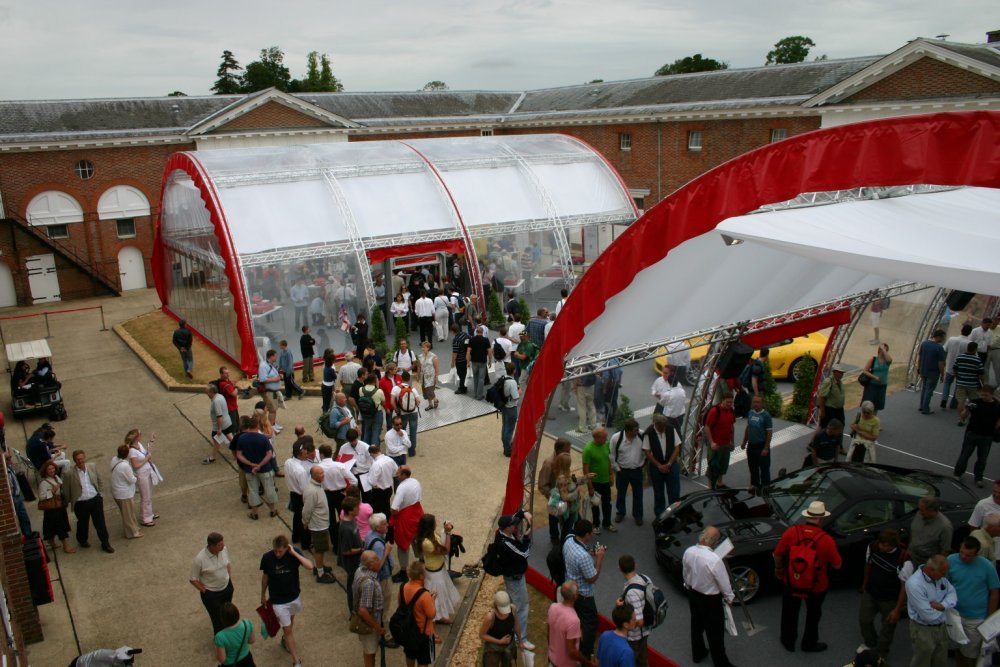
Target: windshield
[(912, 486), (790, 495)]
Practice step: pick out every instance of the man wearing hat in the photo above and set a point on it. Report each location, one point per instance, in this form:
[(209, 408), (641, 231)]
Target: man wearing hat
[(810, 586), (514, 553), (831, 396)]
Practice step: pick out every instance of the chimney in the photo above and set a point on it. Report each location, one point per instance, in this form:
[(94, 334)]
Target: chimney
[(993, 37)]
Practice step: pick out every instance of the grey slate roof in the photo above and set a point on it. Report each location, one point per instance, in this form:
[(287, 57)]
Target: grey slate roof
[(775, 81), (776, 85)]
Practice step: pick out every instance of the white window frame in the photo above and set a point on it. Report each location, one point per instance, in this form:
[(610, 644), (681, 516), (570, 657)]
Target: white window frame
[(486, 133), (778, 133), (118, 229), (84, 169), (57, 231), (625, 141), (695, 141)]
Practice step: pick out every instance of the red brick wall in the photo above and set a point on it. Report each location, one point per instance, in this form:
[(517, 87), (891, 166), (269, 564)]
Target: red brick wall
[(24, 615), (24, 175), (271, 115), (927, 78)]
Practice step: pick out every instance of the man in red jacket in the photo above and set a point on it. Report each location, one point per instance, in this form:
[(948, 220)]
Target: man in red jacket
[(801, 561)]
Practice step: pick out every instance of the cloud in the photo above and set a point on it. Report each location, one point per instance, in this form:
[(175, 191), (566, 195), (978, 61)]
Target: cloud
[(493, 63)]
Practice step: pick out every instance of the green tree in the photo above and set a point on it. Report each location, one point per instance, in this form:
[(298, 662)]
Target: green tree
[(774, 402), (522, 305), (311, 83), (798, 409), (596, 81), (328, 83), (401, 333), (624, 412), (435, 85), (378, 332), (268, 72), (228, 82), (494, 313), (177, 93), (792, 49), (695, 63)]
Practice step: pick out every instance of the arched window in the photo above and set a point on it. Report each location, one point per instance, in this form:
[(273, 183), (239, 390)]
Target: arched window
[(122, 201), (54, 208)]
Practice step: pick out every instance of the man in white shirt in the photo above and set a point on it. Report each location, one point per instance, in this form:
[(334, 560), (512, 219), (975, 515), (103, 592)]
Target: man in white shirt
[(982, 336), (406, 512), (211, 574), (82, 485), (296, 477), (397, 441), (515, 329), (661, 386), (222, 423), (123, 482), (424, 310), (674, 406), (316, 518), (348, 372), (955, 346), (679, 357), (563, 295), (299, 294), (403, 407), (270, 385), (380, 480), (708, 586), (984, 508), (354, 454), (629, 462), (336, 478)]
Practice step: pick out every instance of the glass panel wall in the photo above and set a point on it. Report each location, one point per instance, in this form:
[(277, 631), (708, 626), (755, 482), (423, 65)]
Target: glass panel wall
[(527, 264), (323, 293)]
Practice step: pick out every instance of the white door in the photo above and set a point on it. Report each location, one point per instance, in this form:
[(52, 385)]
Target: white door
[(8, 296), (42, 278), (132, 268)]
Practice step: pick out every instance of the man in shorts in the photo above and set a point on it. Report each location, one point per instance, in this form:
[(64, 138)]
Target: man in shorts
[(316, 517), (269, 378), (281, 581)]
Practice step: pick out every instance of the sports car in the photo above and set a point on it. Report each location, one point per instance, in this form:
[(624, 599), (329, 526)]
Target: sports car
[(785, 355), (862, 501)]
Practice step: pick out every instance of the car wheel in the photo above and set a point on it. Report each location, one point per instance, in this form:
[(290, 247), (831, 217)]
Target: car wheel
[(747, 580), (694, 370), (793, 370)]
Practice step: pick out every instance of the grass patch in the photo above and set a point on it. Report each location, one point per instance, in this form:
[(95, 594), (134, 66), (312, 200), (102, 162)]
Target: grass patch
[(154, 331)]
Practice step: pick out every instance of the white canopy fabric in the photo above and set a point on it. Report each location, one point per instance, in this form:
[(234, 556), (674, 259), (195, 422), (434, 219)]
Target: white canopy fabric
[(672, 274)]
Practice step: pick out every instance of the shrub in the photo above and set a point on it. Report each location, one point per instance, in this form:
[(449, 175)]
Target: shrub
[(774, 402), (624, 412), (523, 306), (401, 332), (798, 409), (378, 332), (494, 313)]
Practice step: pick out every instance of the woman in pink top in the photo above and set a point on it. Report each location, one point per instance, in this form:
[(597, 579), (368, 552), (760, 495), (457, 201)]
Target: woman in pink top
[(364, 512)]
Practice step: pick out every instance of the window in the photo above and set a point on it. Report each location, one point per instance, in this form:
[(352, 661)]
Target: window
[(486, 133), (126, 228), (625, 141), (57, 231), (866, 514), (640, 203), (84, 169), (694, 140), (778, 134)]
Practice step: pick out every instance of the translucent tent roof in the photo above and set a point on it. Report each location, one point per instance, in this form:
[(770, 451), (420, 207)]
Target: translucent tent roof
[(415, 190), (239, 227)]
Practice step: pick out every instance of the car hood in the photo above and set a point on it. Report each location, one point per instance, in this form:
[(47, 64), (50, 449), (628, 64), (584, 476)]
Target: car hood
[(737, 513)]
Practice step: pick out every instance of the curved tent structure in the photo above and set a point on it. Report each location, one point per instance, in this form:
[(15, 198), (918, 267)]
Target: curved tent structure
[(238, 228), (701, 261)]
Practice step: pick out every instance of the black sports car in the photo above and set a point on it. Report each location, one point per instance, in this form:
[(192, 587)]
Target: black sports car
[(862, 500)]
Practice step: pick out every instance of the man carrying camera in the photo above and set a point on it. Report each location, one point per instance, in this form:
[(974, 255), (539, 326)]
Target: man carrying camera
[(583, 565), (514, 563)]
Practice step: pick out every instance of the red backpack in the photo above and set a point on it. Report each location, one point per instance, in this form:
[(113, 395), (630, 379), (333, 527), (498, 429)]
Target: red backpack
[(803, 563)]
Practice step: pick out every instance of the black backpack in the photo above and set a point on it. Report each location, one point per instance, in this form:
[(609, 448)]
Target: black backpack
[(324, 425), (491, 559), (403, 623), (499, 353), (366, 404), (496, 394), (556, 562)]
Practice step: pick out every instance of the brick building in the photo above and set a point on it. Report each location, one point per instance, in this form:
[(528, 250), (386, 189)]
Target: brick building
[(80, 179)]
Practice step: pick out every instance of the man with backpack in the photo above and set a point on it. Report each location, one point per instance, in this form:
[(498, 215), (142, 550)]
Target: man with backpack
[(640, 594), (504, 395), (513, 552), (371, 401), (459, 343), (801, 561), (407, 404)]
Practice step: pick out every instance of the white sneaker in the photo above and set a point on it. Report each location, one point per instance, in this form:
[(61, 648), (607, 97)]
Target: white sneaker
[(527, 646), (278, 429), (863, 647), (597, 530)]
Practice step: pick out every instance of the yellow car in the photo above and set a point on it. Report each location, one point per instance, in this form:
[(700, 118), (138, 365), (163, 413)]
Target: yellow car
[(784, 359)]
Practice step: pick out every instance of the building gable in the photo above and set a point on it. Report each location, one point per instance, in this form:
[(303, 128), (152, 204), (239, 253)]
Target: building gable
[(928, 78), (272, 115)]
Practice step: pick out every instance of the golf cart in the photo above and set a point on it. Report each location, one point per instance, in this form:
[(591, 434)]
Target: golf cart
[(38, 391)]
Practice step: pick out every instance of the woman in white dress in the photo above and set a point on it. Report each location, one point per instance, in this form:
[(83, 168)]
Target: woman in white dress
[(141, 457), (435, 557), (429, 370)]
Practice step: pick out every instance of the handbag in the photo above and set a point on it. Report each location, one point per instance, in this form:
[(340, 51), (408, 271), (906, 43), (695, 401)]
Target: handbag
[(863, 379), (595, 499), (56, 502), (269, 621), (358, 626)]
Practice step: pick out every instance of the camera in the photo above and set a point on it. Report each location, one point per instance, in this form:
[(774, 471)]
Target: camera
[(596, 546)]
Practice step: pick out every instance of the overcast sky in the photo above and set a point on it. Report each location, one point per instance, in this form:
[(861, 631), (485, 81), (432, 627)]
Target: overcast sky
[(113, 48)]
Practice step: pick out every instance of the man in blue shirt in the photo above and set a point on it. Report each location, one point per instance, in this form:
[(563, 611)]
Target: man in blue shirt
[(978, 589), (583, 566), (270, 384), (613, 649), (928, 594), (758, 436), (286, 365), (930, 366)]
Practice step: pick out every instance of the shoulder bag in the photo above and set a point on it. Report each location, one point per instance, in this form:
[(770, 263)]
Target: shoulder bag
[(56, 502)]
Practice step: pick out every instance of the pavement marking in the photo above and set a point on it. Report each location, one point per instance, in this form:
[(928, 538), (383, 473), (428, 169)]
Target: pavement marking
[(937, 463), (782, 437)]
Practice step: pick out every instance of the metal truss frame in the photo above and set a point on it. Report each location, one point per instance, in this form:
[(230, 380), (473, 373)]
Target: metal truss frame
[(808, 199), (929, 322), (357, 244)]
